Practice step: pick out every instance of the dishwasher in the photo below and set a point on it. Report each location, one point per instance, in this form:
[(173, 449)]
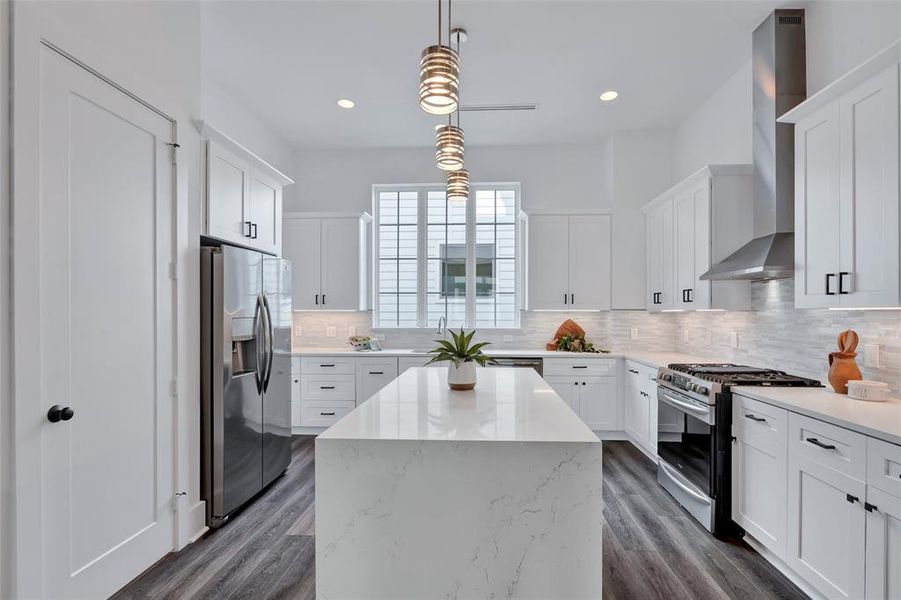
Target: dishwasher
[(525, 362)]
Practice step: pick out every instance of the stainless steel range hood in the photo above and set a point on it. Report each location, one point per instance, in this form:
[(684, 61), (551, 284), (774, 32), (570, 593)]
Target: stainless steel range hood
[(780, 84)]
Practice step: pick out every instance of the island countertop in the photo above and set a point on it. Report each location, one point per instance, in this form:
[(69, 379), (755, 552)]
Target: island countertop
[(507, 404)]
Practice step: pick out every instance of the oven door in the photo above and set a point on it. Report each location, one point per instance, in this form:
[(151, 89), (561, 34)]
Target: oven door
[(686, 440)]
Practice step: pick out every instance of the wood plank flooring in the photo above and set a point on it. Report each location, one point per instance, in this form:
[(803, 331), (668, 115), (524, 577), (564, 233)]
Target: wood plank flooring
[(652, 548)]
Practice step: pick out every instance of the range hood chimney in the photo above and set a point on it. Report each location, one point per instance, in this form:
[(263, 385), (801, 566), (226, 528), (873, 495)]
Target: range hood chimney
[(780, 83)]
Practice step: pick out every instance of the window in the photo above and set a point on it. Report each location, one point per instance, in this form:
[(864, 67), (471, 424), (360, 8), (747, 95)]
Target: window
[(455, 260)]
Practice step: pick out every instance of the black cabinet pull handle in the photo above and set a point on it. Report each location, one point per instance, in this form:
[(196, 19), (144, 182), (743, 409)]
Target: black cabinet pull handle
[(254, 236), (565, 297), (323, 299), (317, 299), (633, 371), (691, 293), (326, 387), (817, 442), (572, 298), (575, 383), (580, 366), (841, 282), (376, 372), (59, 413), (328, 414), (249, 227), (851, 499), (828, 275), (327, 365), (869, 507), (755, 418)]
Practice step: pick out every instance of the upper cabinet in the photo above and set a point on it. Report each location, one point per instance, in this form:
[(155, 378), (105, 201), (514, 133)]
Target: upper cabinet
[(691, 226), (243, 195), (330, 261), (569, 262), (846, 191)]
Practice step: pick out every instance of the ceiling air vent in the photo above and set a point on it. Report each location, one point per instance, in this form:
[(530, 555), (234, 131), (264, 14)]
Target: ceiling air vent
[(496, 107)]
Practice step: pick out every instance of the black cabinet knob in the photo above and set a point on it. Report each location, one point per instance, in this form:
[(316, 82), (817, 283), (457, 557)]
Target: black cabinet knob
[(59, 413)]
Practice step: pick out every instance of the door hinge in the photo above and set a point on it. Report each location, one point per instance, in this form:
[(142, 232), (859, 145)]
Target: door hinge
[(175, 146), (173, 271), (180, 496), (173, 388)]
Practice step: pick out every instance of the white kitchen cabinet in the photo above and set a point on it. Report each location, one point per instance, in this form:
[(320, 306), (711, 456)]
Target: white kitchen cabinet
[(883, 559), (846, 193), (568, 389), (330, 259), (569, 262), (599, 403), (692, 226), (591, 388), (636, 405), (660, 273), (374, 373), (295, 392), (243, 194), (826, 541), (760, 471)]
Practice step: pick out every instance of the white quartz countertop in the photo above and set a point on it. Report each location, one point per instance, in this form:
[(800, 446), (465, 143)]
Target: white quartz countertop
[(650, 358), (507, 404), (877, 419)]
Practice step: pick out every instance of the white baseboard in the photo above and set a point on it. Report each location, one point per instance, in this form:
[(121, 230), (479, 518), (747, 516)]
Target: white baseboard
[(307, 430), (614, 436), (783, 568), (195, 524)]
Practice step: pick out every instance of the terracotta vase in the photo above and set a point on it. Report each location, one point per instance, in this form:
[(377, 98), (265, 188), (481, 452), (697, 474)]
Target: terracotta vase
[(842, 369)]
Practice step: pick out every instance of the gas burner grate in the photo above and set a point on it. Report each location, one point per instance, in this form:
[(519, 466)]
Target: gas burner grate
[(731, 374)]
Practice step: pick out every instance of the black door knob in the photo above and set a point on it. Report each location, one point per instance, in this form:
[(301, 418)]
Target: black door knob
[(59, 413)]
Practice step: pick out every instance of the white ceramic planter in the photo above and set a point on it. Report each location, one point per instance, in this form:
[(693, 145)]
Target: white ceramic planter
[(462, 377)]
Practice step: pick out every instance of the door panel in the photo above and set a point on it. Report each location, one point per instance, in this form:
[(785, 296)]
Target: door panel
[(817, 208), (589, 262), (598, 403), (265, 212), (869, 194), (340, 264), (548, 260), (107, 349), (277, 393), (883, 546), (302, 246), (567, 389), (684, 212), (699, 297), (227, 183)]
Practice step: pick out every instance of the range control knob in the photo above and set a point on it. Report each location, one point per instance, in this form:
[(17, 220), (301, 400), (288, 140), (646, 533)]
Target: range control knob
[(701, 390), (666, 377)]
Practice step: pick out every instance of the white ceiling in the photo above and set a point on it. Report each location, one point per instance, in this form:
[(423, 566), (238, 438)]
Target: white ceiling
[(289, 61)]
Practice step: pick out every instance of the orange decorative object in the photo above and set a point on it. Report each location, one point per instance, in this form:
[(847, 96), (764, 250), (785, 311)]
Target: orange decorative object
[(568, 327), (842, 366)]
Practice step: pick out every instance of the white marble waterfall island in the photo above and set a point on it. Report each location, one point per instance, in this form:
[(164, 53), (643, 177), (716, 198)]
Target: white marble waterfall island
[(422, 492)]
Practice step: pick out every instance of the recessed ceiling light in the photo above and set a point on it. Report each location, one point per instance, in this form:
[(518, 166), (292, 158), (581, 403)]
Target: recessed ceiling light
[(609, 95), (346, 103)]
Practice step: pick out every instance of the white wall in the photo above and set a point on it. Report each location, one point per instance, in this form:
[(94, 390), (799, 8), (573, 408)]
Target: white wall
[(153, 50), (552, 177), (235, 120), (5, 405)]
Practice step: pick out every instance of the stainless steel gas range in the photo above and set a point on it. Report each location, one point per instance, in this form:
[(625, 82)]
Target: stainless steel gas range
[(694, 436)]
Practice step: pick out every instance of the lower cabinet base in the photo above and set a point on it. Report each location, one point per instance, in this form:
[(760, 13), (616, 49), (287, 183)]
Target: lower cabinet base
[(783, 568)]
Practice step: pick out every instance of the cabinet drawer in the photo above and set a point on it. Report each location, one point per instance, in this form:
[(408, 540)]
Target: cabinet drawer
[(835, 447), (327, 365), (323, 414), (580, 367), (759, 424), (327, 387), (884, 466)]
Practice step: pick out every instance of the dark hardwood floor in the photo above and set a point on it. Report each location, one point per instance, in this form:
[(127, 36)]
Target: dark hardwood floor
[(652, 548)]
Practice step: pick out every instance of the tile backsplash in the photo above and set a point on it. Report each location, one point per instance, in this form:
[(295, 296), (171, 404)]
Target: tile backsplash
[(774, 334)]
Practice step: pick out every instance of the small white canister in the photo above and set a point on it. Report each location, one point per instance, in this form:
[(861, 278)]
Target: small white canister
[(873, 391)]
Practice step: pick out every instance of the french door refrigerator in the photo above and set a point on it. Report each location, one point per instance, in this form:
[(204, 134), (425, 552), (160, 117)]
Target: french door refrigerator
[(245, 375)]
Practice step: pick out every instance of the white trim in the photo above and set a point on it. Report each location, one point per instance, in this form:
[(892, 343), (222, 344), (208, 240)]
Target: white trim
[(328, 215), (209, 132), (847, 82), (541, 212), (783, 568), (705, 171)]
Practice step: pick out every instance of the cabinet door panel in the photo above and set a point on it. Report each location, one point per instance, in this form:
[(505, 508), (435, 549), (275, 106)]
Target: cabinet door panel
[(589, 262), (636, 415), (374, 373), (548, 262), (817, 168), (869, 192), (699, 295), (826, 531), (654, 228), (302, 247), (265, 200), (568, 389), (883, 546), (227, 188), (598, 403), (340, 264), (684, 211)]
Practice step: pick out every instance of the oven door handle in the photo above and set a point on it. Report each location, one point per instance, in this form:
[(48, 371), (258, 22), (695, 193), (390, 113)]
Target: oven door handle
[(661, 395), (675, 479)]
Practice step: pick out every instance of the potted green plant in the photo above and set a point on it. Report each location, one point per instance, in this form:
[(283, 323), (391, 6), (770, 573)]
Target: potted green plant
[(462, 357)]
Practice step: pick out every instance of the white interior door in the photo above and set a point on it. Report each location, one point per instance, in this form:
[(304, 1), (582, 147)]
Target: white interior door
[(548, 262), (106, 331), (869, 193), (589, 262)]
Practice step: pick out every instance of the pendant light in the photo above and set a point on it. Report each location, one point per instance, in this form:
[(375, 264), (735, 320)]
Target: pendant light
[(449, 138), (439, 74), (458, 185)]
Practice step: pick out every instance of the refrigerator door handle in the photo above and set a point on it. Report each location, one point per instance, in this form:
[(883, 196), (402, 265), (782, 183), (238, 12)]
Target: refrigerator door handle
[(270, 350), (257, 333)]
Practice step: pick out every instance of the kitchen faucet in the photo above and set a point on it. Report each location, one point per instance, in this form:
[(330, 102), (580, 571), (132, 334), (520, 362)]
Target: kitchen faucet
[(442, 325)]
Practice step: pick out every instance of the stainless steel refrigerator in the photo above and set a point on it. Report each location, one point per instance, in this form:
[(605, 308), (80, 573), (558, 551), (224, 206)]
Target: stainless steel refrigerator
[(245, 349)]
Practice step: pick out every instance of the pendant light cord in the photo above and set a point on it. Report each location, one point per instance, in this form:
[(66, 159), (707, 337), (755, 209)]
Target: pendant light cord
[(439, 22), (459, 91)]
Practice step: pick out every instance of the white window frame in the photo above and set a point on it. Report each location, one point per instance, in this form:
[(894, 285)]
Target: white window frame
[(422, 190)]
